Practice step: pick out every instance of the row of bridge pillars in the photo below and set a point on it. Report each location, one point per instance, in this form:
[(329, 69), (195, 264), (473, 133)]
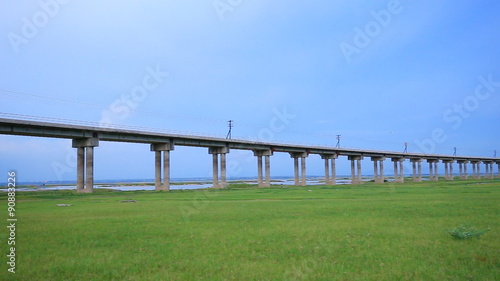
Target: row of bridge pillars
[(85, 166)]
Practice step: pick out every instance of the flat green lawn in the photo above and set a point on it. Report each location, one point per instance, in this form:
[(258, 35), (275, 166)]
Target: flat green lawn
[(344, 232)]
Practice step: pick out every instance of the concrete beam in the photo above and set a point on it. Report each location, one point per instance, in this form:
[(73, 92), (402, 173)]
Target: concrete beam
[(85, 142)]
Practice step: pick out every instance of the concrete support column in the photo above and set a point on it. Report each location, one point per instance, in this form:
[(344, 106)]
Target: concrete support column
[(436, 172), (356, 168), (266, 154), (353, 172), (85, 163), (462, 164), (433, 169), (267, 160), (157, 170), (401, 171), (260, 181), (378, 169), (216, 151), (417, 169), (296, 170), (448, 169), (215, 170), (162, 150), (300, 180), (327, 171), (334, 172), (89, 166), (166, 169), (80, 169), (223, 173), (330, 159), (498, 170), (303, 164), (359, 170), (398, 169), (382, 175), (476, 166), (489, 169), (414, 171)]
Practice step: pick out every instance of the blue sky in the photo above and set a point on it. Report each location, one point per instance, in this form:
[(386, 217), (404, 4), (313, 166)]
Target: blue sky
[(380, 73)]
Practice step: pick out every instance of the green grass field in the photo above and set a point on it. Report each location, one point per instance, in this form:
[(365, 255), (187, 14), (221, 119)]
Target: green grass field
[(343, 232)]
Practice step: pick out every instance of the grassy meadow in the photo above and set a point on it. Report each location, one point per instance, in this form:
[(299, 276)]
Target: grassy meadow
[(344, 232)]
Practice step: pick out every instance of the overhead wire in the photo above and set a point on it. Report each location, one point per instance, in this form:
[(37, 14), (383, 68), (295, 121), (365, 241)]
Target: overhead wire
[(24, 95)]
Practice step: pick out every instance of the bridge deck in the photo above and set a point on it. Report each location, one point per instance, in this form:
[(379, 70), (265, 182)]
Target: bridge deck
[(71, 131)]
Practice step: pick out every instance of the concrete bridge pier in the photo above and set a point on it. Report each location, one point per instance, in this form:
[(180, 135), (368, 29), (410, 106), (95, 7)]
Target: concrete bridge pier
[(85, 163), (498, 169), (162, 150), (476, 169), (216, 151), (398, 172), (300, 180), (416, 164), (433, 169), (355, 168), (330, 159), (267, 164), (462, 167), (489, 169), (448, 169), (378, 169)]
